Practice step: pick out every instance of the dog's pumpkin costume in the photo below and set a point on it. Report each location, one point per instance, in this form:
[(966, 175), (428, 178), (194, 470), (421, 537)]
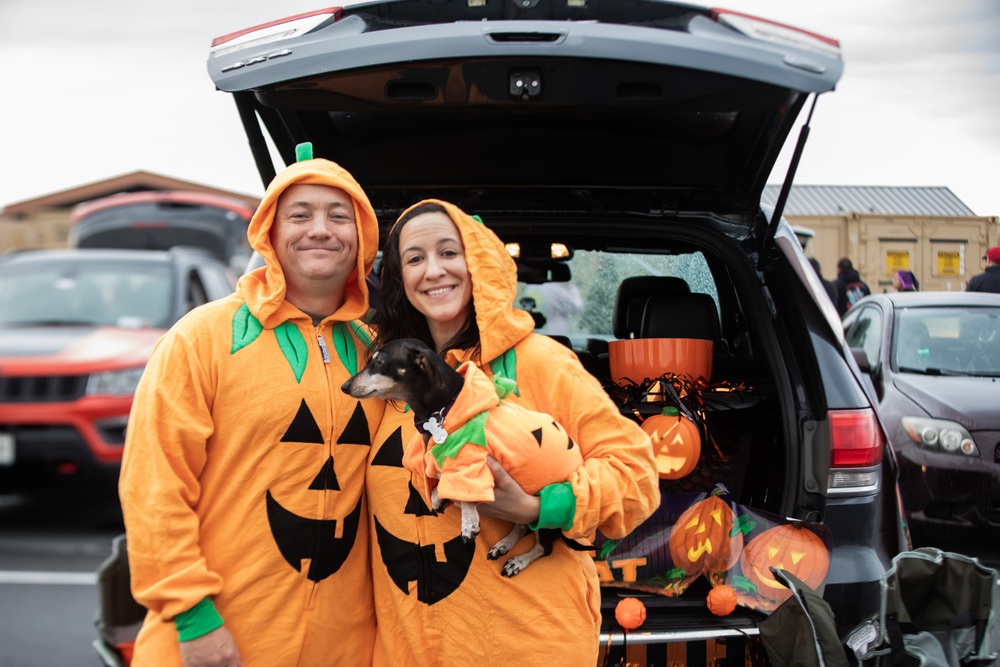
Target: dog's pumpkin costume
[(530, 445), (442, 603), (242, 480)]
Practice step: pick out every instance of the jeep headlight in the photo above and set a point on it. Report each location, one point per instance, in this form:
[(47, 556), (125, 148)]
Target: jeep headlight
[(940, 435), (115, 383)]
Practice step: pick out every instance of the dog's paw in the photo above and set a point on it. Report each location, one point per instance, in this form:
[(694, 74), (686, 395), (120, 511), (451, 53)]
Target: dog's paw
[(437, 503), (469, 533), (499, 549), (514, 566)]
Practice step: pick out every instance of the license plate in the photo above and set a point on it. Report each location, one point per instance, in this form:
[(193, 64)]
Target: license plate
[(6, 450)]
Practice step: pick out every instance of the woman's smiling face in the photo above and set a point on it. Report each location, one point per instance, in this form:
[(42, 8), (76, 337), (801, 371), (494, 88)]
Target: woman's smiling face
[(435, 275)]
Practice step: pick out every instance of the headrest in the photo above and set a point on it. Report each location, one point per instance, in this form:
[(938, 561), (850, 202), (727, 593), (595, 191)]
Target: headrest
[(680, 316), (631, 299)]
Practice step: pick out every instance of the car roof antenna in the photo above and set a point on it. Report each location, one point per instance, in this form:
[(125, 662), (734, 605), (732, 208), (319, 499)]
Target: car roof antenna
[(786, 188)]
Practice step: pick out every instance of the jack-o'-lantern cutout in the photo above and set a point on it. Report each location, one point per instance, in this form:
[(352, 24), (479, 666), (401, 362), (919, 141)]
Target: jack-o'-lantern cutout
[(412, 563), (326, 542), (676, 443), (787, 547), (701, 539)]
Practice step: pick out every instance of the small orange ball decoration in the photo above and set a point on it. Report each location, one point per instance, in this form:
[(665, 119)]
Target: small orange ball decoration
[(721, 600), (630, 613)]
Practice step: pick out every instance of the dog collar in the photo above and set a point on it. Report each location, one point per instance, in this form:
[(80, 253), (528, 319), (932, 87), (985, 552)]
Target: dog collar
[(436, 429), (434, 426)]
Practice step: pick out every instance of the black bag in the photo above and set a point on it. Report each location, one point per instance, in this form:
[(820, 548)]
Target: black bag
[(938, 609), (801, 632)]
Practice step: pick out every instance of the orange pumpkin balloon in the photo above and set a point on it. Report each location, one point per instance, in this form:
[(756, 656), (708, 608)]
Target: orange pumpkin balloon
[(721, 600), (676, 443), (630, 613), (787, 547), (700, 540)]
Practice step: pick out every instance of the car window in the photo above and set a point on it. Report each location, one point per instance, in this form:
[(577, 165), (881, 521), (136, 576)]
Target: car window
[(107, 293), (583, 307), (948, 340), (864, 331)]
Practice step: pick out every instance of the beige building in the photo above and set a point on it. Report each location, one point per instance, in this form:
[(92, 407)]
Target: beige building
[(44, 222), (926, 230)]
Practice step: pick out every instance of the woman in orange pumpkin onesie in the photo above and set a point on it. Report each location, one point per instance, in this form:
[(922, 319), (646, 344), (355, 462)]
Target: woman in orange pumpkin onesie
[(243, 475), (448, 280)]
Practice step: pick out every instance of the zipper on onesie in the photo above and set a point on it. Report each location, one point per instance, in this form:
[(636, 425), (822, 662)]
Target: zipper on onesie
[(322, 346)]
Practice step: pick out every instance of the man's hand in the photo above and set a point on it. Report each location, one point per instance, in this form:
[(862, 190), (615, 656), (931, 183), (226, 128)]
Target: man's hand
[(216, 649), (510, 502)]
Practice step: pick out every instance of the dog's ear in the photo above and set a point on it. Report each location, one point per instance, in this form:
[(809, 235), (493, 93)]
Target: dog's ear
[(424, 364)]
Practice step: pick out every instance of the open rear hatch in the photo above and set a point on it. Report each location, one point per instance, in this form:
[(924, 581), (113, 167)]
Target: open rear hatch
[(571, 106)]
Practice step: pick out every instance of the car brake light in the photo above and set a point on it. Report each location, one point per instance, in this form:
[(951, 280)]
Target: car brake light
[(855, 438), (780, 33), (273, 31)]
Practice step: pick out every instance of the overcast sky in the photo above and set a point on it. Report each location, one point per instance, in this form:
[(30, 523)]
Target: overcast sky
[(93, 90)]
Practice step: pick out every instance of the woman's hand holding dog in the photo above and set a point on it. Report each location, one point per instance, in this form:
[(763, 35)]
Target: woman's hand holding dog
[(510, 502)]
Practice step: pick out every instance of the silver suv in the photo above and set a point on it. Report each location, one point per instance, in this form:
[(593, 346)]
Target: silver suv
[(623, 146)]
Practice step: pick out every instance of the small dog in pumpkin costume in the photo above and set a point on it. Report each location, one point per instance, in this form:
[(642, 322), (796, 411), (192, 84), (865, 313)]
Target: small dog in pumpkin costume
[(461, 419)]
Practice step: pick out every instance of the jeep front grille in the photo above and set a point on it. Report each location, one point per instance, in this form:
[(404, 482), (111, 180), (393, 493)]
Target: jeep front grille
[(42, 388)]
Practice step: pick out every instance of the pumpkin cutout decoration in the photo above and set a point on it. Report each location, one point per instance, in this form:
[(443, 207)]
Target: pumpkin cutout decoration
[(676, 443), (787, 547), (721, 600), (703, 539)]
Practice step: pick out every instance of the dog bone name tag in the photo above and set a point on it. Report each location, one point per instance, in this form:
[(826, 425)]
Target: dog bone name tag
[(433, 426)]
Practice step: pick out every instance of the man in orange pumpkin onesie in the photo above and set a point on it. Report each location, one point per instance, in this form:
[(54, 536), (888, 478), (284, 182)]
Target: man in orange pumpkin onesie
[(244, 464)]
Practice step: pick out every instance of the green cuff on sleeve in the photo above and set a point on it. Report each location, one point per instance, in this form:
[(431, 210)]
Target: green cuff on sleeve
[(197, 621), (557, 507)]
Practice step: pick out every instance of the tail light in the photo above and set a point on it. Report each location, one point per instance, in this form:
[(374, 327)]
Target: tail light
[(274, 31), (856, 441), (780, 33)]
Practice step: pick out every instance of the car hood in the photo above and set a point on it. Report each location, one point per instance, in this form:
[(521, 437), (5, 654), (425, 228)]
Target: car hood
[(650, 107), (69, 350), (971, 401)]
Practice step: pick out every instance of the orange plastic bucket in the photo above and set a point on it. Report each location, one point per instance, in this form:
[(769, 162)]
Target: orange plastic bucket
[(641, 358)]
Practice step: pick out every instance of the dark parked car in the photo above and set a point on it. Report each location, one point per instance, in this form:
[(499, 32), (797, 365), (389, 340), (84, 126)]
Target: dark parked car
[(76, 329), (934, 362), (620, 148)]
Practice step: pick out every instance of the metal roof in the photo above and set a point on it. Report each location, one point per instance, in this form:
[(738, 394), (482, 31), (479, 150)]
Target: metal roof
[(886, 200)]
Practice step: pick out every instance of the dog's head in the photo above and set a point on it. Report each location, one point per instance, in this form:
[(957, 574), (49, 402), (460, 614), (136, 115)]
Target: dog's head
[(402, 370)]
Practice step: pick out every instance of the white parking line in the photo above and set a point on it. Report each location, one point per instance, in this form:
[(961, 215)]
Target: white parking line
[(48, 578)]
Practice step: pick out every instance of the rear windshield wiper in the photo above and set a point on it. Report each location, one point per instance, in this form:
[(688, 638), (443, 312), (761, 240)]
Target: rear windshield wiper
[(932, 371), (52, 323)]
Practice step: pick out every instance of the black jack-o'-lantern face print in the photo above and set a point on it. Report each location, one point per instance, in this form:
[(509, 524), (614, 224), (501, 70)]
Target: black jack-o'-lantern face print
[(408, 562), (299, 538)]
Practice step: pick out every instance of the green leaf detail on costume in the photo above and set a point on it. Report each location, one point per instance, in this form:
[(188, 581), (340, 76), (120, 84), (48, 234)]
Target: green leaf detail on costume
[(246, 329), (293, 346), (344, 344), (505, 366), (361, 332), (504, 386), (473, 432)]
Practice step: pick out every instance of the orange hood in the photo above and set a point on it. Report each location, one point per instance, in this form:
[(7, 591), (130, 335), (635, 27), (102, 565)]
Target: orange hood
[(494, 287), (264, 289)]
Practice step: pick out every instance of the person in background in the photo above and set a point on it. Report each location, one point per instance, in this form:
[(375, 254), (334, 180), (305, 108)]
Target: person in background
[(243, 473), (850, 287), (905, 281), (989, 279), (831, 289), (448, 280)]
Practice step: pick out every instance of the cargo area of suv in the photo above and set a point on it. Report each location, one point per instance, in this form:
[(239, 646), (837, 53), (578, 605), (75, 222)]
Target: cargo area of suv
[(620, 148)]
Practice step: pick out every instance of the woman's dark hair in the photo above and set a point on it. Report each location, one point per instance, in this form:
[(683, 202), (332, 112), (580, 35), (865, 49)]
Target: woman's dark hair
[(396, 316)]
